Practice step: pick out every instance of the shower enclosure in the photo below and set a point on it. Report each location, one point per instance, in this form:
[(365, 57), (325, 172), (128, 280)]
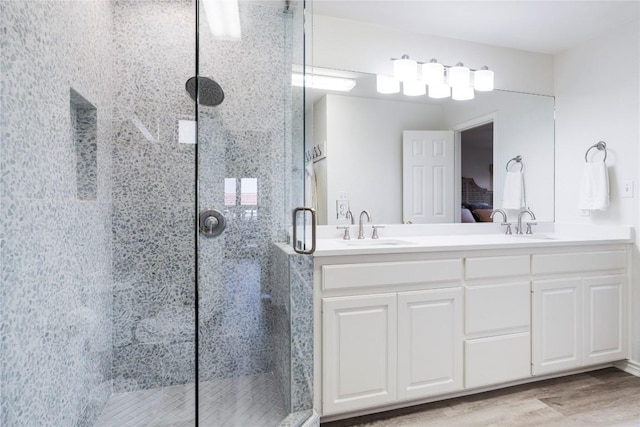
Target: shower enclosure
[(118, 305)]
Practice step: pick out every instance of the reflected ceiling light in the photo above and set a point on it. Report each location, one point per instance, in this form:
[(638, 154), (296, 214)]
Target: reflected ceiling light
[(462, 93), (433, 72), (223, 17), (317, 81), (387, 84), (441, 90), (405, 69), (459, 76), (483, 79), (414, 88)]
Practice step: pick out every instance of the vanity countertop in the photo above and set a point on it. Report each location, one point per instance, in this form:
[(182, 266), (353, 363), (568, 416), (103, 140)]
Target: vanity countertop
[(412, 239)]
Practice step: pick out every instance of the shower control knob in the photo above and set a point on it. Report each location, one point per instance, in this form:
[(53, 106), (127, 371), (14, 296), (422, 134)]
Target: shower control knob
[(211, 222)]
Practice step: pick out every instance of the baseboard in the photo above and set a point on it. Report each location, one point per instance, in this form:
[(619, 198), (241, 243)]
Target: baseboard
[(629, 366)]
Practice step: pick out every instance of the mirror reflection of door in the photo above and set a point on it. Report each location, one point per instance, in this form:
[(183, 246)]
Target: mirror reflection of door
[(476, 158)]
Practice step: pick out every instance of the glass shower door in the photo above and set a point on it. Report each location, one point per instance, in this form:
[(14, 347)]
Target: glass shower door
[(250, 172)]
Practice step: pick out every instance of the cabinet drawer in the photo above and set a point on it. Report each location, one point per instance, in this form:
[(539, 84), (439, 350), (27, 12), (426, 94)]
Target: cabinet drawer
[(579, 262), (390, 273), (497, 359), (500, 307), (502, 266)]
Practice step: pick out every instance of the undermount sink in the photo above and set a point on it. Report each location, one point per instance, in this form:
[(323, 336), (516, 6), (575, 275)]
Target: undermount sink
[(535, 236), (376, 242)]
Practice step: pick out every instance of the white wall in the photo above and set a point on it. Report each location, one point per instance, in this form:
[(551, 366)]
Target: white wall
[(364, 152), (597, 98), (357, 46)]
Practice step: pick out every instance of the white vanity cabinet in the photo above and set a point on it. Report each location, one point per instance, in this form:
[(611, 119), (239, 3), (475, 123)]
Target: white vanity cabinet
[(381, 347), (579, 319), (403, 328)]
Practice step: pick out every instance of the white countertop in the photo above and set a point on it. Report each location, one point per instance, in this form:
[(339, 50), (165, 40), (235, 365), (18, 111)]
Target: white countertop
[(415, 238)]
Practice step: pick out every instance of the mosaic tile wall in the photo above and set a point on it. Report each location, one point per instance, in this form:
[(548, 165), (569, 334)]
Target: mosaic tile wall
[(292, 326), (55, 301), (153, 195), (244, 137)]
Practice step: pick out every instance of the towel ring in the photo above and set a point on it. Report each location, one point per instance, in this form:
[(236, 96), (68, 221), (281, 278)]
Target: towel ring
[(601, 146), (517, 159)]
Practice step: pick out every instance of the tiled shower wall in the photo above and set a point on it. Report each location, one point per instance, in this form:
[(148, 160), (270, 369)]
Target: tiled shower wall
[(55, 302), (153, 195), (154, 192)]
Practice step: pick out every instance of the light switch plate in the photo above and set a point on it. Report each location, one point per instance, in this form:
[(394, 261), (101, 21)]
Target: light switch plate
[(627, 189)]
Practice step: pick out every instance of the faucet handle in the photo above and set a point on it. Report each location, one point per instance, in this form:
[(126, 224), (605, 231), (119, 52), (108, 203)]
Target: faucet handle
[(346, 236), (529, 224), (508, 230), (375, 231)]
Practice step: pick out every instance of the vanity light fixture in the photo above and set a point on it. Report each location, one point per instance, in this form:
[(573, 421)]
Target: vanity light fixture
[(459, 76), (462, 93), (405, 69), (483, 79), (318, 81), (414, 88), (387, 84), (443, 81), (433, 72), (438, 91)]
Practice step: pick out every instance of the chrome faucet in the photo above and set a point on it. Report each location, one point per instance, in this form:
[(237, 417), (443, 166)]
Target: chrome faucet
[(504, 220), (529, 224), (349, 215), (360, 229)]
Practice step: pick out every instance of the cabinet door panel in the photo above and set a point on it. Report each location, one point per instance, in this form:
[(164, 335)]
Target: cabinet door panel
[(359, 352), (429, 343), (557, 330), (497, 360), (496, 308), (605, 331)]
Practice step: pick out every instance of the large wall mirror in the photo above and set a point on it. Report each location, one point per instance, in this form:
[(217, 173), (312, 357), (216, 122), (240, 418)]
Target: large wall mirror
[(361, 138), (359, 160)]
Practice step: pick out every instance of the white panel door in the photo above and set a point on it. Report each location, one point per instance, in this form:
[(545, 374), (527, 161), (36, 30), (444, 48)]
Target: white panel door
[(429, 343), (557, 325), (359, 352), (427, 176), (604, 319)]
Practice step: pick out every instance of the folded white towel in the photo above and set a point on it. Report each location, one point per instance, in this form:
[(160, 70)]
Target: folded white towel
[(594, 188), (513, 194)]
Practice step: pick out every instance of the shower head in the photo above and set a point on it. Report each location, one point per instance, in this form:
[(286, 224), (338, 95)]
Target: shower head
[(211, 93)]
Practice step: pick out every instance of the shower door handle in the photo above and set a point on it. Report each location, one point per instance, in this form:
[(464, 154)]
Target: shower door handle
[(211, 222), (299, 246)]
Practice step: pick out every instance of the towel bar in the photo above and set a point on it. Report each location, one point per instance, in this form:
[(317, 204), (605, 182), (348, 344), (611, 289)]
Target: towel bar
[(600, 145), (517, 159)]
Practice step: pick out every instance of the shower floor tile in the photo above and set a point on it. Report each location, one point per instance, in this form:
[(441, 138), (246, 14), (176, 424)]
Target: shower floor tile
[(251, 401)]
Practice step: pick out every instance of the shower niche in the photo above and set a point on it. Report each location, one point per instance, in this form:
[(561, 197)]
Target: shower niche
[(84, 135)]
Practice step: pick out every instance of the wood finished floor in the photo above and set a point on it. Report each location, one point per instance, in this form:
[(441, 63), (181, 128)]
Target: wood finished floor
[(607, 397)]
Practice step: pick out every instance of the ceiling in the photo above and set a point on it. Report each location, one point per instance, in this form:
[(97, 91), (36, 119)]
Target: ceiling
[(541, 26)]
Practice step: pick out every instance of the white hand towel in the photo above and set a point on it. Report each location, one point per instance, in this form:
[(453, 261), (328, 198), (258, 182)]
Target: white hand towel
[(513, 194), (594, 188)]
